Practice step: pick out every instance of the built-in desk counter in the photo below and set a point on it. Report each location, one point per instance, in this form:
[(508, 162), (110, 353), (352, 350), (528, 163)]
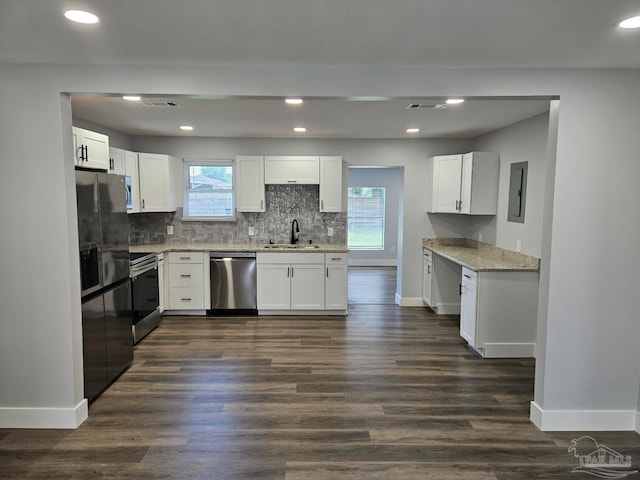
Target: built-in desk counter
[(494, 290)]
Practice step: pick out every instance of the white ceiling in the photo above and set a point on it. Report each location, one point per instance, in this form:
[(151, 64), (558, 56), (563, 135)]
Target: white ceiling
[(445, 33), (386, 33), (322, 118)]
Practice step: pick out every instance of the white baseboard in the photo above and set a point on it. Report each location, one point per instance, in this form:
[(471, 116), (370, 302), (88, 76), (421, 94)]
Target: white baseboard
[(509, 350), (409, 301), (637, 422), (583, 420), (308, 313), (447, 309), (16, 417), (363, 262)]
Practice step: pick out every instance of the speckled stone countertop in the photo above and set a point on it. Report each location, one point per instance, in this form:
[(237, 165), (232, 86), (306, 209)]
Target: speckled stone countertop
[(220, 247), (481, 257)]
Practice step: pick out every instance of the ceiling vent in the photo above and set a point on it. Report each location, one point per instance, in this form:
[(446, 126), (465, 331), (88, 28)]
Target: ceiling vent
[(161, 104), (432, 106)]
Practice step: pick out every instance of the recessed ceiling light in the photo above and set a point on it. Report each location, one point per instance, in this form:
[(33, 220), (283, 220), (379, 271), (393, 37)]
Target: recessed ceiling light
[(633, 22), (80, 16), (455, 101), (293, 101), (186, 128), (413, 130), (131, 98), (300, 129)]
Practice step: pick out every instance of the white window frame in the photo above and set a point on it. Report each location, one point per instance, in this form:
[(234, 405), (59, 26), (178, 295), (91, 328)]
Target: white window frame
[(188, 162), (384, 219)]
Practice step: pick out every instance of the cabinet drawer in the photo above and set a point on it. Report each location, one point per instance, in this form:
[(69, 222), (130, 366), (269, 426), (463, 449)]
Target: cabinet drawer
[(335, 259), (186, 275), (469, 276), (428, 254), (186, 298), (185, 257)]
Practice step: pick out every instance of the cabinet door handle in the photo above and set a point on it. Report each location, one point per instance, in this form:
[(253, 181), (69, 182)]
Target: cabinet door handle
[(86, 153), (185, 299), (465, 275), (291, 181), (460, 291), (288, 272), (185, 276), (460, 205), (327, 272), (291, 272), (185, 258), (143, 203), (261, 204), (322, 204), (428, 268)]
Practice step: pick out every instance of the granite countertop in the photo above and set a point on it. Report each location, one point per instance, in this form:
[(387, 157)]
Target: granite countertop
[(246, 247), (481, 257)]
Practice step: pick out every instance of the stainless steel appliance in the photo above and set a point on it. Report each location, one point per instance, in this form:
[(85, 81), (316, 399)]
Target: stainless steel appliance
[(103, 230), (233, 282), (145, 294)]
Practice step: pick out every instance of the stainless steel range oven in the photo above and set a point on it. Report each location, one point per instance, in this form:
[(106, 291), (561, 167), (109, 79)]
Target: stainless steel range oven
[(144, 293)]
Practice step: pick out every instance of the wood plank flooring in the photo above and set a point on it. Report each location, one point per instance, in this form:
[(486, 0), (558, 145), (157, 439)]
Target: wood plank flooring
[(372, 285), (385, 393)]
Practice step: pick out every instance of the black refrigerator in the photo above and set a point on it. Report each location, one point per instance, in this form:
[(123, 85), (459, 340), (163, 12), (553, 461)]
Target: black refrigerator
[(103, 231)]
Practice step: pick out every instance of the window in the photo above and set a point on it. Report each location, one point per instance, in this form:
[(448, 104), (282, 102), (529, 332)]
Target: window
[(208, 190), (365, 217)]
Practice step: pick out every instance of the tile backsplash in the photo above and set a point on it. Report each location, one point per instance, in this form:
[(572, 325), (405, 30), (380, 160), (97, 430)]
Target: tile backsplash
[(283, 204)]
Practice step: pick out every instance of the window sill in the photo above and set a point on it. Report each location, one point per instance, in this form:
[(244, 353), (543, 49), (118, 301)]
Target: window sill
[(208, 219)]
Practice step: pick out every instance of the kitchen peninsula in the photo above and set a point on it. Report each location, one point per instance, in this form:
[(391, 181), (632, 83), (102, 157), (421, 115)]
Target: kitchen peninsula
[(494, 290)]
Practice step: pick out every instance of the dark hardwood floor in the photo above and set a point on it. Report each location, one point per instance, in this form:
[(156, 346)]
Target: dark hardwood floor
[(372, 285), (385, 393)]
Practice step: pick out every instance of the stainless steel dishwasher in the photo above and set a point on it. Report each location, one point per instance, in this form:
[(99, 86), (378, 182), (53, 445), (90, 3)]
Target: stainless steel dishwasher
[(233, 282)]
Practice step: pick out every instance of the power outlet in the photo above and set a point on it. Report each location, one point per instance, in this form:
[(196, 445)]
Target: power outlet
[(330, 231), (252, 231), (518, 245), (169, 229)]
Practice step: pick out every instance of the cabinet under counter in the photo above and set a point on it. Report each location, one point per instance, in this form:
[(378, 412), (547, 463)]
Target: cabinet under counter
[(494, 290)]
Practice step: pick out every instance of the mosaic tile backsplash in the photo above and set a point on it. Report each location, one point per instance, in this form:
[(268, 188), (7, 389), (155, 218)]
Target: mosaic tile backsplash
[(284, 203)]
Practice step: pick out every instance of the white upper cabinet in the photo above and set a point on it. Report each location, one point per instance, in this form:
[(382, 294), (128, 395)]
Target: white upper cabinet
[(91, 149), (116, 161), (465, 184), (333, 185), (156, 183), (132, 181), (249, 176), (292, 170)]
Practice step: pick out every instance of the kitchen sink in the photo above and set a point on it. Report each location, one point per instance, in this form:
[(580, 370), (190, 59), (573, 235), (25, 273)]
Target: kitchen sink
[(292, 246)]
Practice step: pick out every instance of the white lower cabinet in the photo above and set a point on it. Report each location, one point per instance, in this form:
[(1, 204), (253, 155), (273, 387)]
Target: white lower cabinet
[(188, 281), (307, 287), (498, 314), (468, 303), (290, 283), (427, 277), (161, 282), (336, 284)]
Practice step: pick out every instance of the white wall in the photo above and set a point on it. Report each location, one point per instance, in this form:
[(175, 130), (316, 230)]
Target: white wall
[(524, 141), (392, 179), (592, 363)]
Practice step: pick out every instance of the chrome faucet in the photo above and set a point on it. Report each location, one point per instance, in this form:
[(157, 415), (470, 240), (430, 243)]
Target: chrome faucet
[(295, 232)]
